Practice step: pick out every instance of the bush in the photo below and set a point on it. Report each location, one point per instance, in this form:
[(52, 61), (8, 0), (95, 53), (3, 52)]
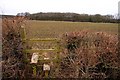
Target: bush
[(88, 49), (12, 55)]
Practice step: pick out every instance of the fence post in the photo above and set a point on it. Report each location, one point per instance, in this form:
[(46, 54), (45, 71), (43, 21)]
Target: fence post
[(23, 36), (46, 74), (34, 70), (23, 33)]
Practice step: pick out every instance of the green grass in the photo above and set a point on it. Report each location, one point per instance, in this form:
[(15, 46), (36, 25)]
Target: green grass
[(54, 29)]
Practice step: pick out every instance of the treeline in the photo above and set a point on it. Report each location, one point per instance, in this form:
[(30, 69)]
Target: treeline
[(7, 16), (74, 17)]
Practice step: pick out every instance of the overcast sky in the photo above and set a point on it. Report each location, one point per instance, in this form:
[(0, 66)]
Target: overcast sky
[(77, 6)]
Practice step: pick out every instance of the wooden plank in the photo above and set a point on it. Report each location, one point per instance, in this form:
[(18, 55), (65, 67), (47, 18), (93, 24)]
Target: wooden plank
[(40, 50), (42, 39), (44, 61)]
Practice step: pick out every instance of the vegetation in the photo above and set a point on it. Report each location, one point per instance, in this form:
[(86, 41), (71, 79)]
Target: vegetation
[(74, 17), (90, 50), (90, 55), (12, 48), (55, 29)]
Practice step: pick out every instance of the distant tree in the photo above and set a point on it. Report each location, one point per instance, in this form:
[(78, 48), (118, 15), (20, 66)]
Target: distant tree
[(26, 14)]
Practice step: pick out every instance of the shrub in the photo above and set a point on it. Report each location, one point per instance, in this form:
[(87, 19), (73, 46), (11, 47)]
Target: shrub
[(12, 55), (88, 49)]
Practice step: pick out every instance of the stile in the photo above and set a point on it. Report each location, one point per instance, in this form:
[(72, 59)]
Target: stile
[(40, 51)]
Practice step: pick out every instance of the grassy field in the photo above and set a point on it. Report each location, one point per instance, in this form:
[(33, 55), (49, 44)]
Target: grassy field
[(54, 29)]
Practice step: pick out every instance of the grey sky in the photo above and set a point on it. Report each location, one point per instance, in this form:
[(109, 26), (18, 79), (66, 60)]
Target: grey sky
[(119, 10), (77, 6)]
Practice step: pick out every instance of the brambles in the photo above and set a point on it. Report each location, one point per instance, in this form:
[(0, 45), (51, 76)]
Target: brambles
[(86, 49), (12, 55)]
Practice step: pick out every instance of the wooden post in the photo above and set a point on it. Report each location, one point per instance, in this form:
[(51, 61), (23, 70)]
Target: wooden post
[(46, 73), (23, 36), (46, 66), (34, 70), (23, 33), (58, 55)]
